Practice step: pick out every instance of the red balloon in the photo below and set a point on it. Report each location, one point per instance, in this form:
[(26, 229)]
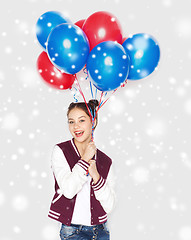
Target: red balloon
[(80, 23), (53, 76), (102, 26), (123, 40)]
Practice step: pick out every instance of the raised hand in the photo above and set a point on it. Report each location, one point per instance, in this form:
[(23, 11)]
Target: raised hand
[(89, 152)]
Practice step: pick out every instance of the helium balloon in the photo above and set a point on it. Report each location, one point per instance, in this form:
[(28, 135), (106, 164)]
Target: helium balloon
[(68, 48), (54, 77), (102, 26), (80, 23), (46, 23), (108, 65), (144, 54), (123, 40)]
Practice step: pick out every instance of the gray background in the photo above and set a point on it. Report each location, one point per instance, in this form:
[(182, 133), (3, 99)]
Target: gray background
[(144, 128)]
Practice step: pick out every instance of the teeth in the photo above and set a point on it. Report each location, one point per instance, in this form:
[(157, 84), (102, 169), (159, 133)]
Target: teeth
[(78, 132)]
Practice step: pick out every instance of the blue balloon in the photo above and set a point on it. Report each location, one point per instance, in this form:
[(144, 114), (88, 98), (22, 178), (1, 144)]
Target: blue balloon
[(108, 65), (144, 54), (46, 23), (68, 48)]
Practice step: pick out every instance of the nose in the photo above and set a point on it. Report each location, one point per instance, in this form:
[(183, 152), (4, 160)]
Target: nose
[(76, 125)]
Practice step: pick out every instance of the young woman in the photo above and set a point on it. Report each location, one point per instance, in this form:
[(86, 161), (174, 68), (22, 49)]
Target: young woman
[(84, 180)]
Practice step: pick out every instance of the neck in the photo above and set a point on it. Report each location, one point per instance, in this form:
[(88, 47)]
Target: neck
[(81, 146)]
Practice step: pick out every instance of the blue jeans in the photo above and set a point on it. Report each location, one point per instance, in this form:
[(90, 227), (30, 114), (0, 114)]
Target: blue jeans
[(81, 232)]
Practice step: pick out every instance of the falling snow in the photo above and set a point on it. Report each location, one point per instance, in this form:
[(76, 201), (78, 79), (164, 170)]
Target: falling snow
[(183, 27), (20, 203), (50, 232), (2, 198), (140, 175), (10, 121), (185, 233), (187, 106), (144, 126)]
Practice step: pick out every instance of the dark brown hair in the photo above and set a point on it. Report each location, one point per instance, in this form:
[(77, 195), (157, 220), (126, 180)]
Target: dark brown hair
[(92, 105)]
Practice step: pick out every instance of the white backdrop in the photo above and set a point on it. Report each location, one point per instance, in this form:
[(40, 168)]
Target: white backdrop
[(145, 128)]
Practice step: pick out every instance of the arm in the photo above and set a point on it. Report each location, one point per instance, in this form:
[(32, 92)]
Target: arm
[(69, 182), (104, 191)]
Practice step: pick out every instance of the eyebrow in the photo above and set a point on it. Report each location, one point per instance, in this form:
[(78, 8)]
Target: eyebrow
[(73, 119)]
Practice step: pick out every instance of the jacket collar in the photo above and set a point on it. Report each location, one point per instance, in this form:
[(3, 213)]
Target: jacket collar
[(75, 147)]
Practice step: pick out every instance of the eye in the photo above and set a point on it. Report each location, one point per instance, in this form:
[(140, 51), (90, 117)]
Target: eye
[(82, 120), (70, 122)]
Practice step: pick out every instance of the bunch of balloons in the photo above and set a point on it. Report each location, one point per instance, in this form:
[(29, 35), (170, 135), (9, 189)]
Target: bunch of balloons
[(97, 43)]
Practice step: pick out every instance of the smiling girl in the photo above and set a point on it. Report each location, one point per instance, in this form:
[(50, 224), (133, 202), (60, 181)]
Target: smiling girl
[(84, 179)]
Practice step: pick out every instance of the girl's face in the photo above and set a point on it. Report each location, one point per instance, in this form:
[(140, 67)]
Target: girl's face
[(80, 125)]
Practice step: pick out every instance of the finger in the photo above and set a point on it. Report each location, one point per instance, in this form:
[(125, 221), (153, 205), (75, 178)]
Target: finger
[(92, 143), (93, 146), (92, 161)]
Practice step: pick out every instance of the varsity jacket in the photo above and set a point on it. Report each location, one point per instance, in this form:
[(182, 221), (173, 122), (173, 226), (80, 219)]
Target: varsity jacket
[(69, 182)]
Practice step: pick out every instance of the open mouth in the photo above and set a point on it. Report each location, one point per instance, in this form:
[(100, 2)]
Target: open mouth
[(79, 134)]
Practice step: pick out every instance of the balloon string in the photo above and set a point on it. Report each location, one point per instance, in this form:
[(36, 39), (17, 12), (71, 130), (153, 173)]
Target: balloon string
[(93, 121), (108, 98), (99, 104), (74, 95), (80, 90), (96, 93), (126, 82), (86, 72), (87, 76), (91, 89), (75, 98), (103, 100), (91, 115)]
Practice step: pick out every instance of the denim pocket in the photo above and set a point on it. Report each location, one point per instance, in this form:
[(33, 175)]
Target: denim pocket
[(67, 232)]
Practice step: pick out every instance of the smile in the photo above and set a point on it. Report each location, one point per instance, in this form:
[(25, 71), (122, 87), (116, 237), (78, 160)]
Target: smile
[(79, 133)]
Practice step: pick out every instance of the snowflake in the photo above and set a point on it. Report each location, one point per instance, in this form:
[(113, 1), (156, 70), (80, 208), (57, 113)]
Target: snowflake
[(2, 198), (50, 232), (140, 175), (185, 233), (10, 121), (187, 106), (20, 203), (183, 27), (156, 128), (167, 3), (116, 106), (16, 229)]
